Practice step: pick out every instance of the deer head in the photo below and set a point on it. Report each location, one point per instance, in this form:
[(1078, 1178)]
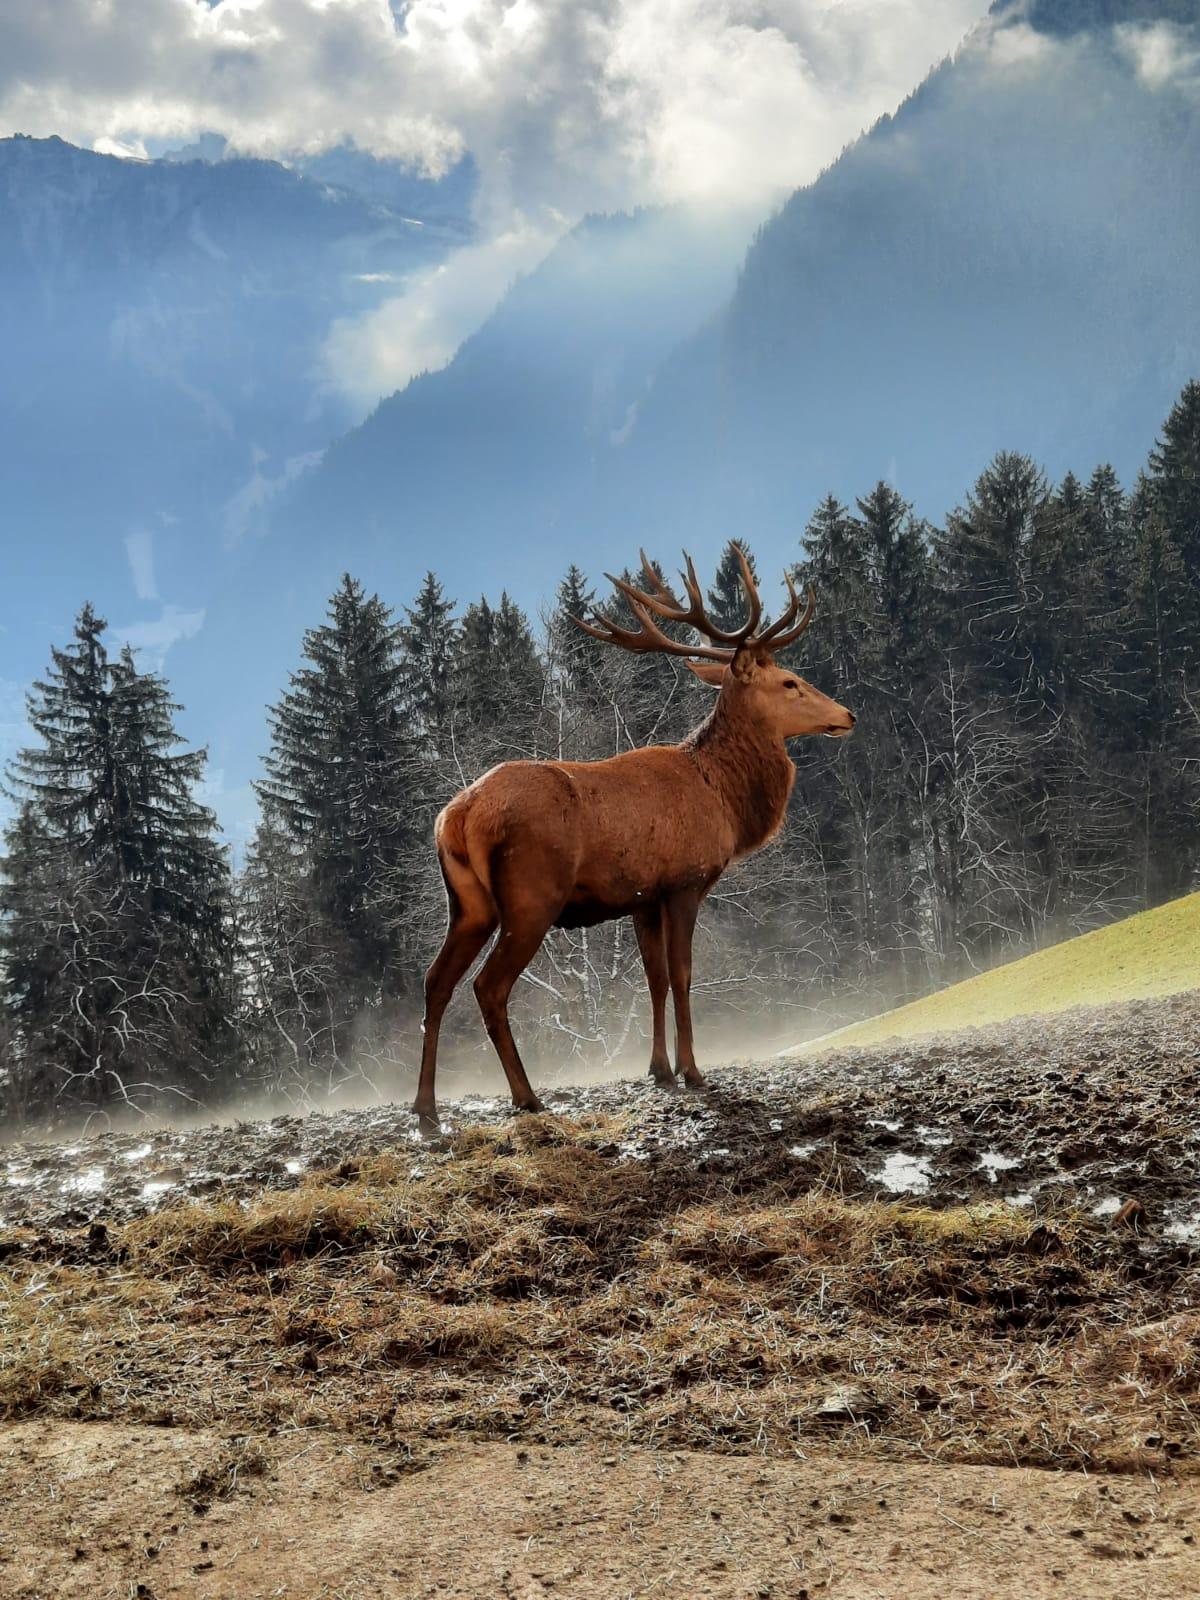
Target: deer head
[(740, 664)]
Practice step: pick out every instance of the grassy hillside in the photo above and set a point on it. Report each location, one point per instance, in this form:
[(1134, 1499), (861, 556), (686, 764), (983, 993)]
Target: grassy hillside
[(1154, 953)]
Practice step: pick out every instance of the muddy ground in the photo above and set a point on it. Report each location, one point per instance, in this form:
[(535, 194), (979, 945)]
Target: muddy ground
[(873, 1324), (1092, 1107), (102, 1511)]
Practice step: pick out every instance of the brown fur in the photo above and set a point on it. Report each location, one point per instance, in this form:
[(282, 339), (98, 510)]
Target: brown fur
[(537, 844)]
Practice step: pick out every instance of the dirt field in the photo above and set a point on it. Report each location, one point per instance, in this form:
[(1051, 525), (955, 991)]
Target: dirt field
[(95, 1510), (909, 1320)]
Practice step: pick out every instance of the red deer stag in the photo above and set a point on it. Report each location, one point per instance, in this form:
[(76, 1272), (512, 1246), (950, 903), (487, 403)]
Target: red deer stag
[(534, 845)]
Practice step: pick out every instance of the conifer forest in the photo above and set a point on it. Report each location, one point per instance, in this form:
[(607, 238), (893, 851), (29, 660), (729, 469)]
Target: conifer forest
[(1026, 765)]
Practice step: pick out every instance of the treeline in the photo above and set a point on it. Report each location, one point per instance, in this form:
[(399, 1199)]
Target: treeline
[(1026, 765)]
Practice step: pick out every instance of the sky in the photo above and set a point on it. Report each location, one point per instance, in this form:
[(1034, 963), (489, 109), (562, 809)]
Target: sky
[(567, 106)]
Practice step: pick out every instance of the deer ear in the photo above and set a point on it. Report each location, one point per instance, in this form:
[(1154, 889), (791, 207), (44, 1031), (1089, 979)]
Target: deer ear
[(710, 672), (745, 664)]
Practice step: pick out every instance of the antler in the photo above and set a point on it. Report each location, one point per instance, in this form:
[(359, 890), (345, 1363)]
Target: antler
[(658, 599), (781, 632)]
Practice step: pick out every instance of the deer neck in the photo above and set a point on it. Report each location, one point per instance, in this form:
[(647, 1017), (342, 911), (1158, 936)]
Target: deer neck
[(749, 770)]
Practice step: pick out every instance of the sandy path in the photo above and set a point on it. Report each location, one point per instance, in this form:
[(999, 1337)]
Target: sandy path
[(94, 1511)]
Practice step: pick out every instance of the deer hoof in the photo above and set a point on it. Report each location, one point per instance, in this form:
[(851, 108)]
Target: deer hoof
[(663, 1078), (427, 1120), (692, 1079), (529, 1107)]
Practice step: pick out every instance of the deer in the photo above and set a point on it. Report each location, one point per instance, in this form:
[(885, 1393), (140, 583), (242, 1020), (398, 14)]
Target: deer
[(536, 845)]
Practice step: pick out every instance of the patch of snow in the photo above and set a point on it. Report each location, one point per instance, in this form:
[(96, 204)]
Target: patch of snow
[(904, 1173), (90, 1181), (934, 1138), (1108, 1207), (994, 1162), (155, 1188), (1186, 1226), (800, 1151), (140, 1154)]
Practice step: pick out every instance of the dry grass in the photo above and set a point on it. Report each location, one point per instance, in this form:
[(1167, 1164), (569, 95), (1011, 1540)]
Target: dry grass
[(529, 1281)]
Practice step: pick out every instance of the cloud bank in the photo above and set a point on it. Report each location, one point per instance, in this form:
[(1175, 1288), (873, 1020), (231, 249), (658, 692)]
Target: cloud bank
[(570, 105), (567, 106)]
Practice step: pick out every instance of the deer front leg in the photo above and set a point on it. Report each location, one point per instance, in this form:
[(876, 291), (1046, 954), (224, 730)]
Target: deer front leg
[(650, 926), (681, 911)]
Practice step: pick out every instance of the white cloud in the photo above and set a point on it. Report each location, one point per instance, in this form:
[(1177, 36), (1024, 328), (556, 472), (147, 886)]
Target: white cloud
[(139, 547), (420, 329), (106, 146), (567, 106), (242, 512), (151, 640), (1162, 53)]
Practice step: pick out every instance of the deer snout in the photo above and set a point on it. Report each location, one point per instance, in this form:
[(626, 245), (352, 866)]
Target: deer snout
[(841, 727)]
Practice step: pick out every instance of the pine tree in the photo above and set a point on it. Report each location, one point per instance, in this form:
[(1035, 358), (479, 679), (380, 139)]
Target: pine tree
[(426, 655), (984, 561), (1171, 491), (338, 787), (475, 692), (571, 658), (117, 935), (1160, 662)]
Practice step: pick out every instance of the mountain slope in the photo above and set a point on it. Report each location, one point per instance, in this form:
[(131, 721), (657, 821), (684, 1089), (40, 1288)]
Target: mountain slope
[(509, 441), (1140, 958), (162, 323), (1008, 262)]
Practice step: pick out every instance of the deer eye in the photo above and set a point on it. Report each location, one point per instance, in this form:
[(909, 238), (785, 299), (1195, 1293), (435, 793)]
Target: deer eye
[(790, 683)]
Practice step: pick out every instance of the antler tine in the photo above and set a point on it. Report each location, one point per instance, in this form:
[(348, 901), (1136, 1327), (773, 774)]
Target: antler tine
[(648, 639), (697, 617), (655, 582), (657, 600), (780, 634), (788, 615), (754, 603)]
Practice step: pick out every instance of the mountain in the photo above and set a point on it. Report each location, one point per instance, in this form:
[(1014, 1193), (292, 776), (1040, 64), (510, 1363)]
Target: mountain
[(1007, 262), (162, 325), (495, 456)]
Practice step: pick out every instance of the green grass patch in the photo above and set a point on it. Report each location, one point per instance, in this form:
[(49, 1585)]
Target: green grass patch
[(1140, 958)]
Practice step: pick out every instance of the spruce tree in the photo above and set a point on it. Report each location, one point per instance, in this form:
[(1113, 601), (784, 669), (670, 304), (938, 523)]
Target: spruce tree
[(339, 786), (984, 562), (571, 658), (426, 659), (117, 936), (1160, 662), (475, 691)]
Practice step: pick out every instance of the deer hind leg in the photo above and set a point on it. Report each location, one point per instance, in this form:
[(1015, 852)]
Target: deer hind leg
[(680, 915), (520, 939), (650, 926), (472, 921)]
